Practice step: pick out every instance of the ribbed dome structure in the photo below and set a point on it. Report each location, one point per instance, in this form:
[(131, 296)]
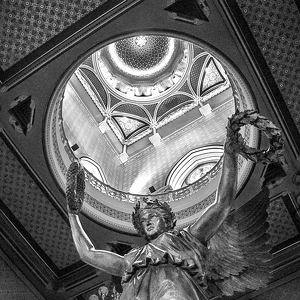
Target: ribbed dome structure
[(142, 56)]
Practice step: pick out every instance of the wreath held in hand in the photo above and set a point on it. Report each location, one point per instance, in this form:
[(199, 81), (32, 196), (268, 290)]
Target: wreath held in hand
[(276, 147)]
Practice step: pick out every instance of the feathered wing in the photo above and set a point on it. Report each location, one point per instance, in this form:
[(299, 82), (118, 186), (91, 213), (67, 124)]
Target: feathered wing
[(238, 255)]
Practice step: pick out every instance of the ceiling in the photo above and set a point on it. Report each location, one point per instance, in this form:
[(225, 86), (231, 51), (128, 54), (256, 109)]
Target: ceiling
[(165, 95), (43, 43), (150, 84)]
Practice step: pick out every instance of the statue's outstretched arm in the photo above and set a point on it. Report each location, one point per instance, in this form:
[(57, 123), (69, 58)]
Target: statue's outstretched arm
[(205, 227), (103, 260), (106, 261)]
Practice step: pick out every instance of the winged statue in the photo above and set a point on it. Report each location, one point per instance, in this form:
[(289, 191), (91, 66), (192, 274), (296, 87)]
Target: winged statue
[(226, 250)]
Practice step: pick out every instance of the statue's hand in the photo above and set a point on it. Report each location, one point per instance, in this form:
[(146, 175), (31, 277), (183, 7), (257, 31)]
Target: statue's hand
[(234, 141), (75, 187)]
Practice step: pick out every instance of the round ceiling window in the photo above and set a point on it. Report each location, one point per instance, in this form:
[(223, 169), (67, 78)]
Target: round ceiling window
[(132, 110)]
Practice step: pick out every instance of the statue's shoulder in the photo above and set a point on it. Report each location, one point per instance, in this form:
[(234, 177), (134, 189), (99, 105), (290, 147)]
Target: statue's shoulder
[(134, 252), (130, 256), (181, 231)]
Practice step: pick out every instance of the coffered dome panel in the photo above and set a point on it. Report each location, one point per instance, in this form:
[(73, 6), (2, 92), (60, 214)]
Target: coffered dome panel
[(185, 88), (132, 110), (196, 71), (96, 85), (172, 104), (114, 101), (151, 109)]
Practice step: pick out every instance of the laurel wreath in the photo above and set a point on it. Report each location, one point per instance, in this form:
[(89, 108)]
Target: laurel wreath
[(75, 187), (276, 141)]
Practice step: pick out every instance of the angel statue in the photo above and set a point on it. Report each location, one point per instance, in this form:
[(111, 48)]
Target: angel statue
[(224, 251)]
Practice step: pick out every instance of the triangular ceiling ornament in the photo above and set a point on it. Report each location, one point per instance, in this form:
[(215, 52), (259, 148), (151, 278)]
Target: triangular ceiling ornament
[(21, 114), (211, 78), (129, 126), (191, 11)]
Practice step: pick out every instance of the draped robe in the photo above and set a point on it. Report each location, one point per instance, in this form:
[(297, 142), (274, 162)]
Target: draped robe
[(167, 268)]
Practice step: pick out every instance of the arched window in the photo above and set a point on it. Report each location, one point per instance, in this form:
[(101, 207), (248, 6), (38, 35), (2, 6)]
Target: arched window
[(199, 172), (92, 167), (194, 165)]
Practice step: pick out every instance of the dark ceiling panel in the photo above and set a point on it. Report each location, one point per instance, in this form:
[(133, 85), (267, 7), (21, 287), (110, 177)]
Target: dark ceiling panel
[(131, 109), (151, 108), (171, 104), (113, 101), (96, 86), (196, 71)]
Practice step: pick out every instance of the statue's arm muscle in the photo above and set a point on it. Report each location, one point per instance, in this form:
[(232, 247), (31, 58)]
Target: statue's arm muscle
[(106, 261), (205, 227)]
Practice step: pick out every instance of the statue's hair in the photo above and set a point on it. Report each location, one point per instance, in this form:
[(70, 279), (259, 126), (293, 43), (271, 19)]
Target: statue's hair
[(162, 207)]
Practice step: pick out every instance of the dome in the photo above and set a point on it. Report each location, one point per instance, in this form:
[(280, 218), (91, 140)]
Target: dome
[(144, 113), (142, 56), (144, 68)]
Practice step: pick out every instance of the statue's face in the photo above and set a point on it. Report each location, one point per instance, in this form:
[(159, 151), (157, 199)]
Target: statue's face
[(153, 223)]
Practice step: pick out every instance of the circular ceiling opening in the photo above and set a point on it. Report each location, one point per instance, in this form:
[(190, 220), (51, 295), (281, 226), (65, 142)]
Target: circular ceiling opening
[(133, 110)]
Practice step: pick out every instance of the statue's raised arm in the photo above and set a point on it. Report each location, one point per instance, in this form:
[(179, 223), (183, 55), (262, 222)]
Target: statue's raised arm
[(238, 254), (103, 260), (205, 227)]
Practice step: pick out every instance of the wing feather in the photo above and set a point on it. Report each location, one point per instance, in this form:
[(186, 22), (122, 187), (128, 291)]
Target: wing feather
[(255, 223), (238, 256)]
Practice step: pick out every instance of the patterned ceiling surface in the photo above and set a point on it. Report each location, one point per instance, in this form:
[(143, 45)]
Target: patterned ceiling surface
[(275, 26), (272, 30), (26, 25)]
